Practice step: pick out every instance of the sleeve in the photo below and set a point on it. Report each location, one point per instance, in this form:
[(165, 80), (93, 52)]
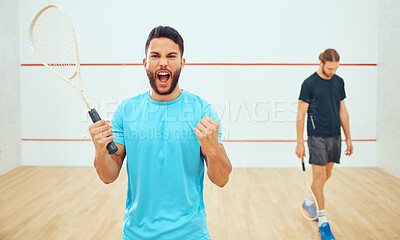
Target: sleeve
[(117, 123), (342, 91), (210, 112), (305, 92)]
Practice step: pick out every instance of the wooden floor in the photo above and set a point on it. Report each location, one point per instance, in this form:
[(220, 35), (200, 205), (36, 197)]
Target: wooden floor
[(72, 203)]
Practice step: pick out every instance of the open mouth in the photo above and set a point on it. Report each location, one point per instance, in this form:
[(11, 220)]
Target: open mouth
[(163, 77)]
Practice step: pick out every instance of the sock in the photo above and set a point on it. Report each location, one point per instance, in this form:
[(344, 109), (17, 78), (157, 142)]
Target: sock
[(309, 200), (322, 217)]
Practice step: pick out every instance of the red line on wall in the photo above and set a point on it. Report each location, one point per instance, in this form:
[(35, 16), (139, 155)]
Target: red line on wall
[(55, 140), (211, 64), (226, 140), (275, 64), (111, 64), (276, 141)]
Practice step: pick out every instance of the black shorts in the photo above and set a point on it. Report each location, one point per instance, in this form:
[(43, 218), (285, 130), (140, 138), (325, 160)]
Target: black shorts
[(323, 150)]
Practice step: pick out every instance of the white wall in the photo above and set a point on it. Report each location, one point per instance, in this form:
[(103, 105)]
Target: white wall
[(388, 145), (254, 102), (10, 96)]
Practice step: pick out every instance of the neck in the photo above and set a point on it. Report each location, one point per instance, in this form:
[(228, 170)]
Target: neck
[(321, 74), (166, 98)]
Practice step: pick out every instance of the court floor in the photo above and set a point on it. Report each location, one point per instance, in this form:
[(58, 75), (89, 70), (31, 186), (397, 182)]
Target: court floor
[(72, 203)]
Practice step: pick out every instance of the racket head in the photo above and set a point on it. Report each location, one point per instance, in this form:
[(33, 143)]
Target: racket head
[(53, 40), (307, 192)]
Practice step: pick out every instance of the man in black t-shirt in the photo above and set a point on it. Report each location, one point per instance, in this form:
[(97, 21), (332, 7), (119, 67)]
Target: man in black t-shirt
[(322, 98)]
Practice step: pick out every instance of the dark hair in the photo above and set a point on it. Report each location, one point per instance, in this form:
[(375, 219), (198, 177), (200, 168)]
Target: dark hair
[(329, 55), (165, 32)]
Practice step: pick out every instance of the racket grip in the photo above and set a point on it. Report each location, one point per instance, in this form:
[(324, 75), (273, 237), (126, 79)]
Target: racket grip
[(94, 115), (304, 168)]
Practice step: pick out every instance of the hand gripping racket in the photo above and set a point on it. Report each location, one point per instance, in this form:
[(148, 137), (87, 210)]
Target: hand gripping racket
[(53, 40), (308, 191)]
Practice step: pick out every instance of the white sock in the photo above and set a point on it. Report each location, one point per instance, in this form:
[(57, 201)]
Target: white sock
[(322, 217), (309, 200)]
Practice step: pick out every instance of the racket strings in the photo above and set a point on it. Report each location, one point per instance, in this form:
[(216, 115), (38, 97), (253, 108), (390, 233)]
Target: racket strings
[(54, 41), (54, 35), (307, 191), (63, 56)]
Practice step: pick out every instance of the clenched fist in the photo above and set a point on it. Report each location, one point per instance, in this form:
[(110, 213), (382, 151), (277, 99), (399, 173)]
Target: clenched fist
[(207, 132), (101, 134)]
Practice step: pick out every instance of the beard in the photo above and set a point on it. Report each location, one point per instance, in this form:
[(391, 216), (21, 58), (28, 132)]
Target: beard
[(325, 73), (174, 81)]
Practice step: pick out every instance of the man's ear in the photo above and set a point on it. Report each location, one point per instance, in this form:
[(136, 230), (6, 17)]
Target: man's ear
[(144, 62), (183, 62)]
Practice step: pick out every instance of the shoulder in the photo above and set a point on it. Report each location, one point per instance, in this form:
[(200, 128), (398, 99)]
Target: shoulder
[(190, 97), (310, 81), (136, 100), (338, 79), (204, 107)]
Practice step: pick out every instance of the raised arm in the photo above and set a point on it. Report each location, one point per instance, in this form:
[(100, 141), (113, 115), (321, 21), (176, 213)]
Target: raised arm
[(218, 164)]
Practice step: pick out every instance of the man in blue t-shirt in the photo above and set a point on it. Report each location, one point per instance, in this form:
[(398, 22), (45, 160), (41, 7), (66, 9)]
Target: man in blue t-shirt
[(166, 134), (322, 98)]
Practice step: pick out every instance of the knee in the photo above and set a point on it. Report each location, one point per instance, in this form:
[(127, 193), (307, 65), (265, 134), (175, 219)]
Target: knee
[(328, 175), (320, 179)]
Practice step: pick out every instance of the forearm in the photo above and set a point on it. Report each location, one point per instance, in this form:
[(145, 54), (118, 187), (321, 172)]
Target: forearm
[(107, 169), (345, 122), (300, 129), (218, 166)]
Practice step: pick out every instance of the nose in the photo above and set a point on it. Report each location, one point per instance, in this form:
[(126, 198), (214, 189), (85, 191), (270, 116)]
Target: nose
[(163, 62)]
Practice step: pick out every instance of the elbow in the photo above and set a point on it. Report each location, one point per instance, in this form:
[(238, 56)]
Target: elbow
[(343, 115), (226, 179), (107, 181), (300, 118), (222, 183), (343, 112)]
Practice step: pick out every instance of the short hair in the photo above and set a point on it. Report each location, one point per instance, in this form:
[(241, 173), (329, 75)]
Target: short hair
[(165, 32), (329, 55)]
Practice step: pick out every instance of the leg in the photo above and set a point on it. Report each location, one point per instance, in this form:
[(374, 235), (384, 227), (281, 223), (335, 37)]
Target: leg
[(329, 167), (317, 186), (322, 171)]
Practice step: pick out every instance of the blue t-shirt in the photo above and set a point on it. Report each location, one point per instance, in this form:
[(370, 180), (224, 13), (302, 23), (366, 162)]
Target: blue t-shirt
[(165, 167), (323, 97)]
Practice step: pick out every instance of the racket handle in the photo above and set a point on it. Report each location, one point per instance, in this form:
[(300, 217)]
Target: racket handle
[(304, 168), (94, 115)]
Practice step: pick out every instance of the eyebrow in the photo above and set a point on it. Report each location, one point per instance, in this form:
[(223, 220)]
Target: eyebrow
[(171, 53)]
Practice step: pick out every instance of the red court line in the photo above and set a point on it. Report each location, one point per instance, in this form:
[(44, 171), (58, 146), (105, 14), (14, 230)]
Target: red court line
[(86, 64), (276, 141), (111, 64), (275, 64), (55, 140), (211, 64), (226, 140)]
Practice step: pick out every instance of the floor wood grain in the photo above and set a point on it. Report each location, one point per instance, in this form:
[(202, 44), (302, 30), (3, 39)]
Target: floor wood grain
[(72, 203)]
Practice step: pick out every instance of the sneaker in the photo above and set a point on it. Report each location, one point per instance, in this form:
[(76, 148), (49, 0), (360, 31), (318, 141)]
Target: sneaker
[(310, 211), (325, 232)]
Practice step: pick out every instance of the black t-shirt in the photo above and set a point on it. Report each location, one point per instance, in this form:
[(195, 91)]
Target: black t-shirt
[(323, 97)]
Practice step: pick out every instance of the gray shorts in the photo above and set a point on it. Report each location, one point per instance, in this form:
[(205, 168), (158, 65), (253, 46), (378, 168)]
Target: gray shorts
[(323, 150)]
